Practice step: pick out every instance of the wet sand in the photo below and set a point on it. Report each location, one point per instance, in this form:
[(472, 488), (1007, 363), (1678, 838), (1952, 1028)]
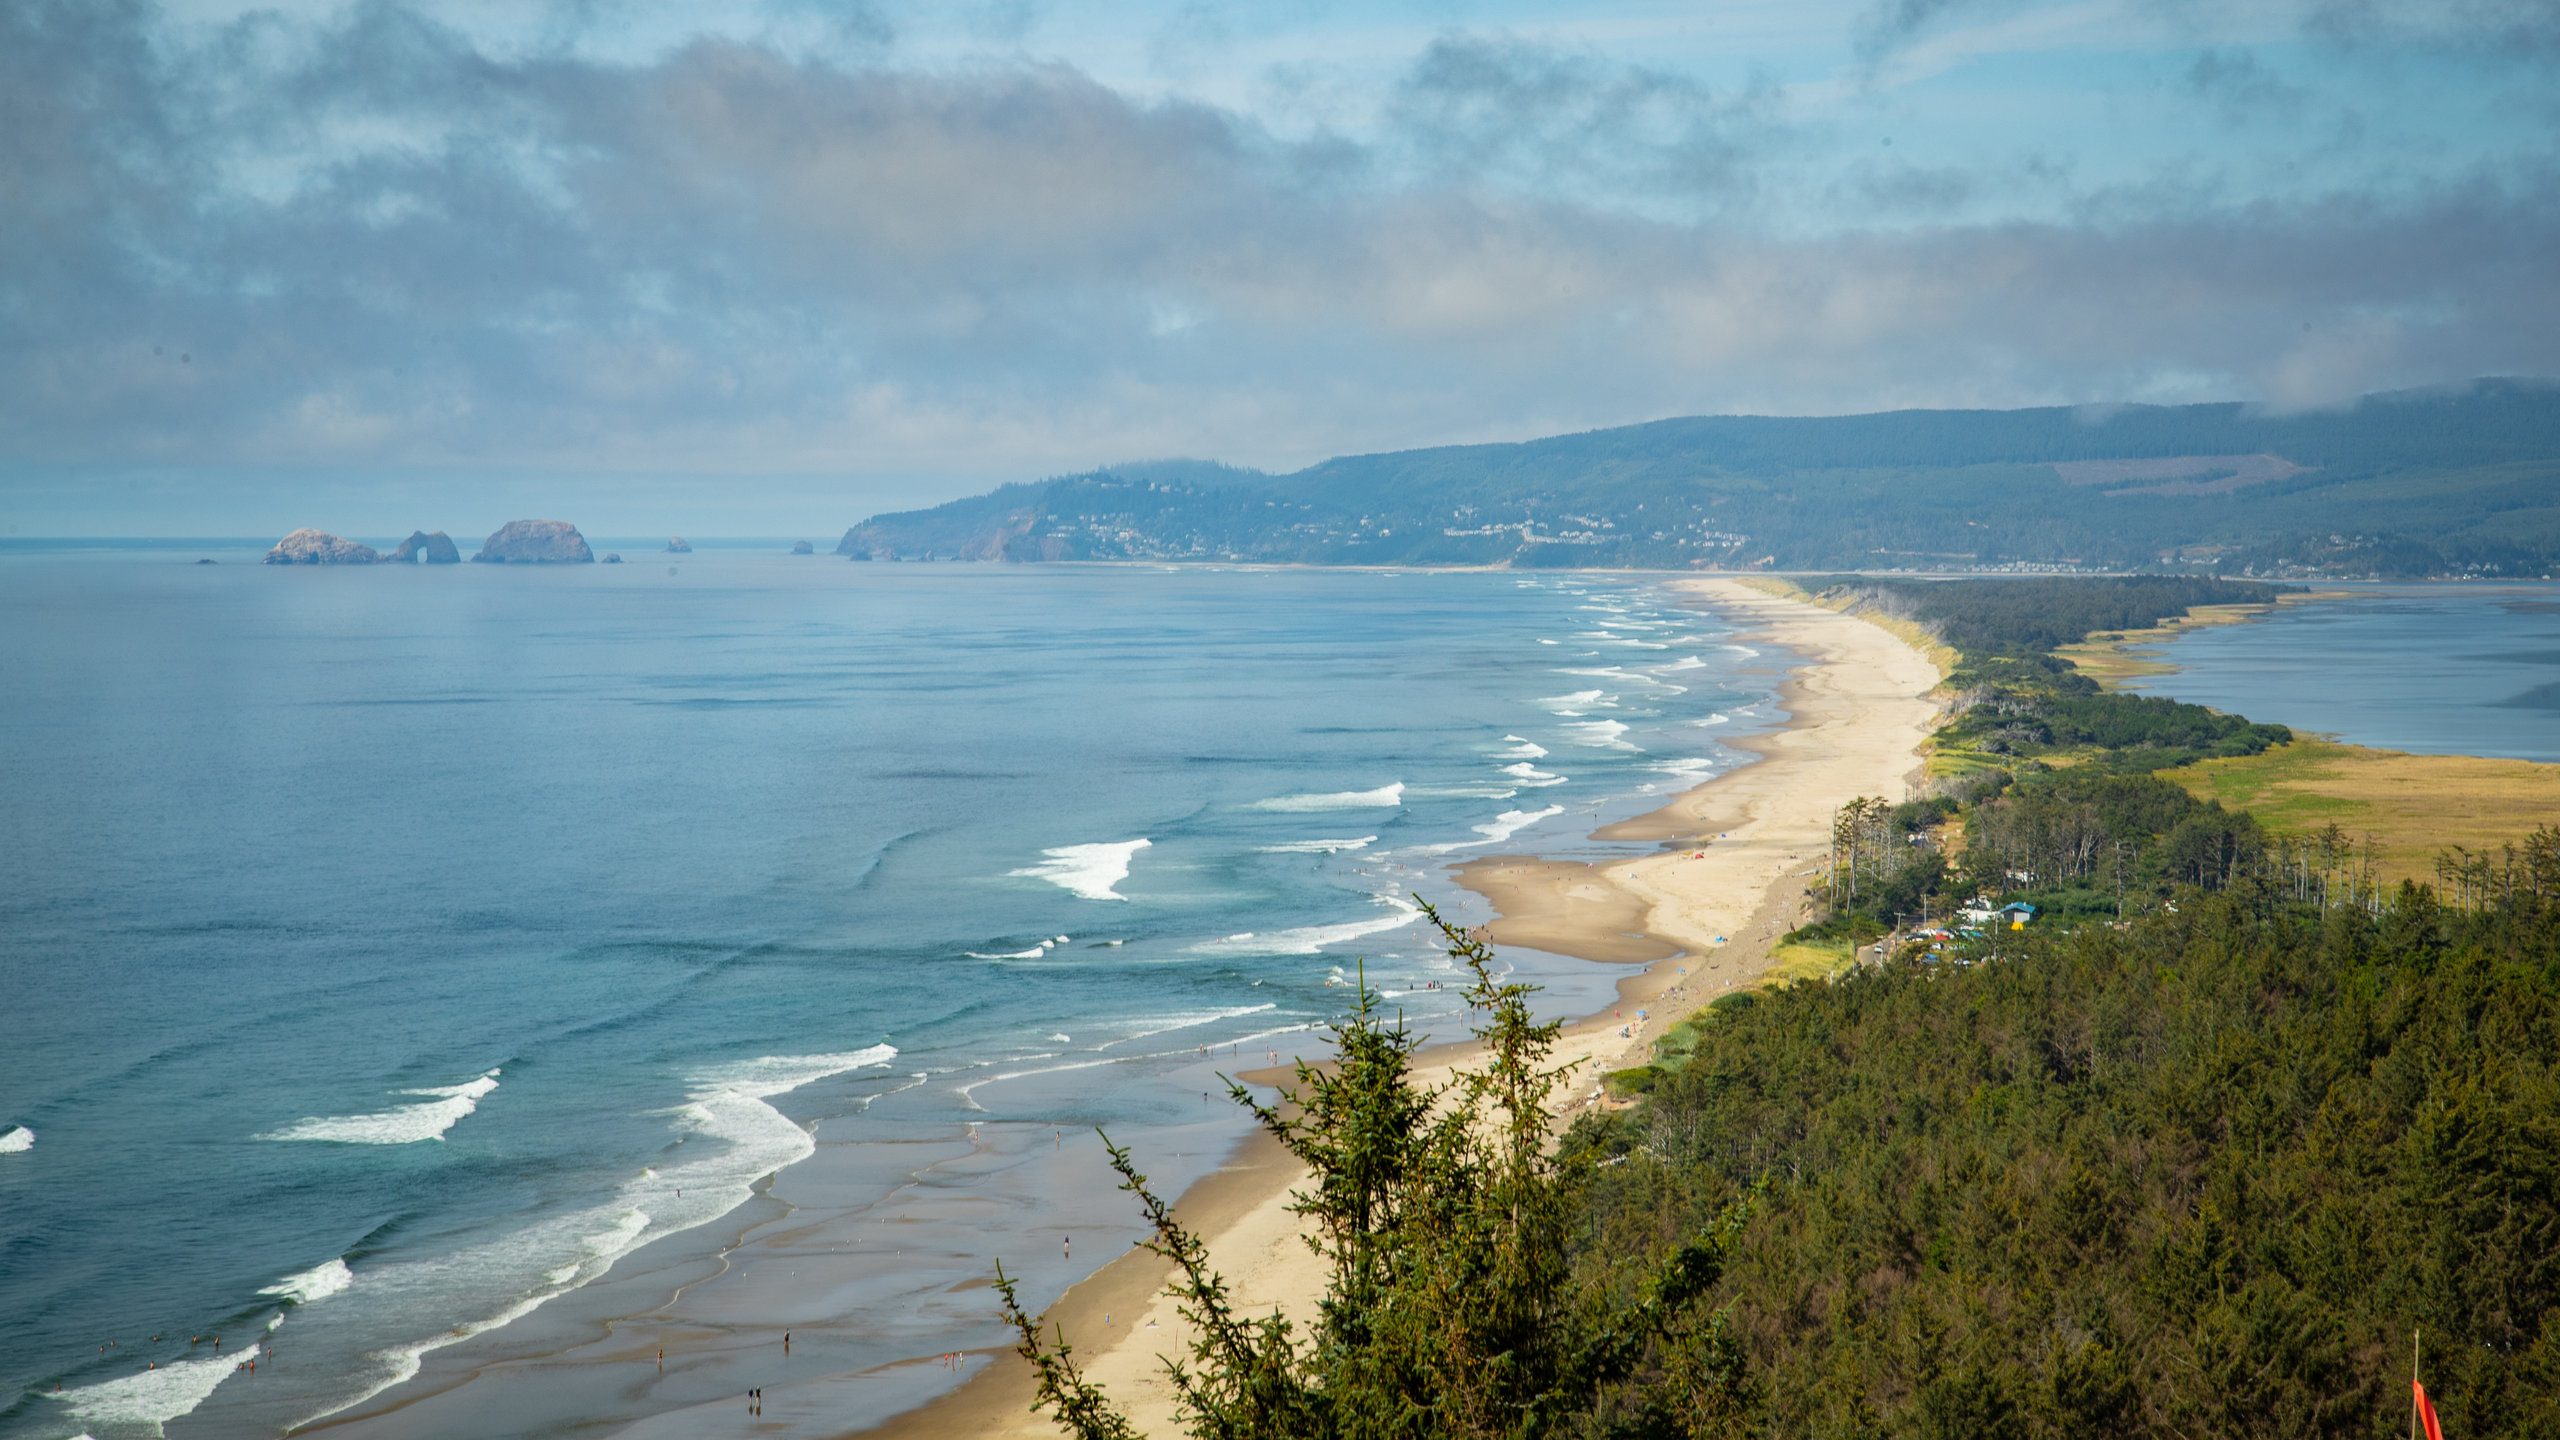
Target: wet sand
[(1697, 916)]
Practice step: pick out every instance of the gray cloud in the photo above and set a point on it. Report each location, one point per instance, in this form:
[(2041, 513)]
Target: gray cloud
[(375, 244), (2240, 87), (1501, 110), (1890, 25)]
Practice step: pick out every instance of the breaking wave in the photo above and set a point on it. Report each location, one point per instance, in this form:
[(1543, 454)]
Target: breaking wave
[(427, 1120), (1087, 870)]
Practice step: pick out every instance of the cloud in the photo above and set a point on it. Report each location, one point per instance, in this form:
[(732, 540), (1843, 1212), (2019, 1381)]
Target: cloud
[(1500, 110), (2240, 87), (372, 241), (1891, 25)]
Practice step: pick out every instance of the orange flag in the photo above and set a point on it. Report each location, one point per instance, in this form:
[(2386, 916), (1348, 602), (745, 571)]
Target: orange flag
[(2427, 1413)]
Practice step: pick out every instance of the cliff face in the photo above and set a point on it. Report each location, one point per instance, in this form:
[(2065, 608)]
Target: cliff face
[(536, 542), (319, 547), (433, 547)]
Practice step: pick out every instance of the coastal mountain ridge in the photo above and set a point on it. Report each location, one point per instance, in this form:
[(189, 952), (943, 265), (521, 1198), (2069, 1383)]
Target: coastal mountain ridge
[(2407, 484)]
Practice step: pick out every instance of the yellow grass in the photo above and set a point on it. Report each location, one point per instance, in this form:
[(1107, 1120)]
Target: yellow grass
[(2415, 806), (1819, 961)]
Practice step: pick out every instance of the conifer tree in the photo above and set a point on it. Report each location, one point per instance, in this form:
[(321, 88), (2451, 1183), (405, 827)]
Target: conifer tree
[(1452, 1309)]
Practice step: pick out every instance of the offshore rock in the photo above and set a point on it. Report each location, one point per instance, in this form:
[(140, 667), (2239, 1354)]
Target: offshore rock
[(536, 542), (319, 547), (610, 558), (676, 546), (804, 548), (435, 548)]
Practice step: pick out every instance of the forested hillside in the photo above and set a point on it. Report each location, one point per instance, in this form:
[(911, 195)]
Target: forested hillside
[(2201, 1176), (2397, 485)]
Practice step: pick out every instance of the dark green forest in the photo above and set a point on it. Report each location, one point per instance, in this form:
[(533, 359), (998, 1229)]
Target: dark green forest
[(2417, 484), (2199, 1176)]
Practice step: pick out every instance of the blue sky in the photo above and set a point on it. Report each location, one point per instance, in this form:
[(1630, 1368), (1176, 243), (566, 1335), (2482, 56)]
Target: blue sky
[(769, 265)]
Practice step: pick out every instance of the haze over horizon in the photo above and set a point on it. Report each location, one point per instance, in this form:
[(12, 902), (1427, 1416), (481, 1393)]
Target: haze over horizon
[(766, 268)]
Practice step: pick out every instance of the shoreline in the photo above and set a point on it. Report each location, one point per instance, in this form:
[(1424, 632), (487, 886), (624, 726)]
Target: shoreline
[(1722, 887)]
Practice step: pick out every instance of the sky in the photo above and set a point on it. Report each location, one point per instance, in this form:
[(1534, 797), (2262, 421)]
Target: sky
[(769, 266)]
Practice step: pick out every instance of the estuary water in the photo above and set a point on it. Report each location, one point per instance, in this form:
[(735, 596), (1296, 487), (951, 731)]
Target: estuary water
[(390, 952), (2436, 669)]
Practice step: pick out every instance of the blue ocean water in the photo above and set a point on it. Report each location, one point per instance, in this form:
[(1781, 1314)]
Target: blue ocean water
[(390, 951), (2437, 669)]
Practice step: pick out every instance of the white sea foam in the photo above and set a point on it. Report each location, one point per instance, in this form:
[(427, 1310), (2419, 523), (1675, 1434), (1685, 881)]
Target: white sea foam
[(1579, 701), (1718, 718), (427, 1120), (1167, 1024), (1533, 777), (152, 1398), (1511, 822), (17, 1140), (1686, 662), (1690, 770), (1034, 953), (1631, 677), (1600, 735), (1502, 827), (1383, 797), (1528, 749), (726, 1104), (317, 1283), (1087, 870), (1319, 847), (1312, 939)]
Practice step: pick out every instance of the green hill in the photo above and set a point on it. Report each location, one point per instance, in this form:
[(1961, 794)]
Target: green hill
[(2410, 484)]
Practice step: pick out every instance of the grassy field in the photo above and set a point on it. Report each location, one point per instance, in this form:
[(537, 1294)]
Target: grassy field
[(2413, 805), (1790, 963)]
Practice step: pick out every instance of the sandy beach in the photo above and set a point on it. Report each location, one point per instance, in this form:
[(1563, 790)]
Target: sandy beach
[(1693, 920)]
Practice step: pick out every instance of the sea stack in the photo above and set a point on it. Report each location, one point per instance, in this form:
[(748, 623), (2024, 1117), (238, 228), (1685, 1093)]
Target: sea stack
[(804, 548), (676, 546), (433, 547), (536, 542), (319, 547)]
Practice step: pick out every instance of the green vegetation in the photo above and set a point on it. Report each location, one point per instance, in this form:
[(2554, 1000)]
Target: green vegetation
[(2399, 485), (1991, 620), (1454, 1306), (2054, 783), (2200, 1176)]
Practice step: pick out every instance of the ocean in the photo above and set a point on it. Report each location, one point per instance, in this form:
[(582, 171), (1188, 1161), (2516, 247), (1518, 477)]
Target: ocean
[(393, 953), (2471, 669)]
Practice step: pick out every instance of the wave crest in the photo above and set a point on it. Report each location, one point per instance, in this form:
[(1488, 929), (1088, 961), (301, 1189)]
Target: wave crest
[(1385, 796), (1087, 870), (405, 1126)]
